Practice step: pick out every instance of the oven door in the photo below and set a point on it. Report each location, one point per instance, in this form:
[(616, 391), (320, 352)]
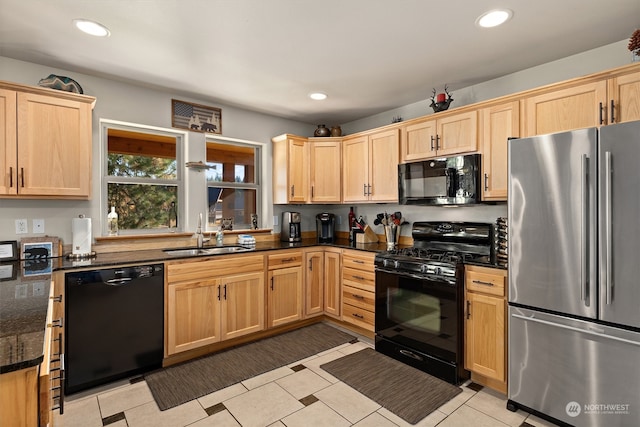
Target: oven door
[(419, 312)]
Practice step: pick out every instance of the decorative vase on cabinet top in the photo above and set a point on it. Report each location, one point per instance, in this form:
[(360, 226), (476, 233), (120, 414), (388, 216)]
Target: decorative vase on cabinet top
[(336, 131), (322, 130)]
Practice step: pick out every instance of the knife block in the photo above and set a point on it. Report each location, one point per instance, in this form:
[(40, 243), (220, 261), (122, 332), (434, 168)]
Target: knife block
[(367, 237)]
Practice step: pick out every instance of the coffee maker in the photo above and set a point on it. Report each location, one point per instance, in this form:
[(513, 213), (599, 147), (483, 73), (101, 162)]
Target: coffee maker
[(326, 224), (290, 228)]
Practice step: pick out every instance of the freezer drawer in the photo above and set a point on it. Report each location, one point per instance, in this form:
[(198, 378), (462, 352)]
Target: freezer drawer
[(579, 372)]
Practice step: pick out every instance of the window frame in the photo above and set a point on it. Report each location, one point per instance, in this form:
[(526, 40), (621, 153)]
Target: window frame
[(259, 174), (181, 146)]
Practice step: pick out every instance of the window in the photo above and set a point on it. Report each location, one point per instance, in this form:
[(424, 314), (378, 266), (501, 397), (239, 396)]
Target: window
[(142, 179), (233, 183)]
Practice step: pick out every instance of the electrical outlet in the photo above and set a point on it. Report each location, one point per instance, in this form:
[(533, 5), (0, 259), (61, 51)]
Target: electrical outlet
[(275, 220), (21, 226), (38, 226), (339, 219)]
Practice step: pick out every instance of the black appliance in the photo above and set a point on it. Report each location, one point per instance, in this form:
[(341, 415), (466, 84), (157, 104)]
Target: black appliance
[(114, 324), (441, 181), (291, 230), (420, 293), (326, 227)]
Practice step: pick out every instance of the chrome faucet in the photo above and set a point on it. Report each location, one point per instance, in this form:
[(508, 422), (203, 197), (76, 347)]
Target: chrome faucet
[(199, 236)]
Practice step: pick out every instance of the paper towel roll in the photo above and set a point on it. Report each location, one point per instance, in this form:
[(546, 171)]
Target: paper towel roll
[(81, 229)]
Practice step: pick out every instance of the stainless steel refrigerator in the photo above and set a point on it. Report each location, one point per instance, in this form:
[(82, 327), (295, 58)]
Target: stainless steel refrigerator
[(574, 275)]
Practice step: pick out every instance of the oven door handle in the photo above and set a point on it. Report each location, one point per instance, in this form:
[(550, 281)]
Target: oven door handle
[(431, 278)]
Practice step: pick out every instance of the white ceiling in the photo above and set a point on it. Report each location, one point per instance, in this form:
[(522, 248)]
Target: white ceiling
[(268, 55)]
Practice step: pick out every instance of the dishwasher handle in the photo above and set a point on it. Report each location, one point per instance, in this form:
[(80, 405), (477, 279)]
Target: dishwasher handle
[(119, 281)]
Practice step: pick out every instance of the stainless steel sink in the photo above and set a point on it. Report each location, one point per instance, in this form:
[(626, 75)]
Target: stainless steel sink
[(207, 251)]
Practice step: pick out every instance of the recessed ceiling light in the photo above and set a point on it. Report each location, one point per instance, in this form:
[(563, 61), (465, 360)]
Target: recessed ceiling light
[(493, 18), (91, 27), (318, 96)]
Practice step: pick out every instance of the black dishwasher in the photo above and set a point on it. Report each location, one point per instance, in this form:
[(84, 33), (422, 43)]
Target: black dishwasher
[(114, 324)]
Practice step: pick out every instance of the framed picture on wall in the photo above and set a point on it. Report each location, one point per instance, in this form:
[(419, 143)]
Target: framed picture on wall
[(9, 250), (196, 117)]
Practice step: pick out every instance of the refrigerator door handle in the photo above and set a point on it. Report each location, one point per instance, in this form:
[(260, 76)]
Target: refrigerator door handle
[(584, 244), (575, 329), (607, 221)]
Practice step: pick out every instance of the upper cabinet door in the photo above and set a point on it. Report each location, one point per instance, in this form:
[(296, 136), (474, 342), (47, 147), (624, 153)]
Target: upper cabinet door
[(298, 171), (566, 109), (355, 169), (457, 134), (498, 124), (624, 96), (8, 154), (418, 141), (326, 170), (383, 166), (54, 146)]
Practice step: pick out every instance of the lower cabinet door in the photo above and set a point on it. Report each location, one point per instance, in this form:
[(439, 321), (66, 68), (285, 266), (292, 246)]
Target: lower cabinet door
[(242, 308), (285, 295), (485, 336), (193, 315)]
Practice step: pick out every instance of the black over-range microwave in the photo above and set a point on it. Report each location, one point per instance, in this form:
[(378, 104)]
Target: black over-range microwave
[(442, 181)]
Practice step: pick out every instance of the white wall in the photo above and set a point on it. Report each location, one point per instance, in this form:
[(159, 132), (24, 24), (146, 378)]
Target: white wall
[(125, 102)]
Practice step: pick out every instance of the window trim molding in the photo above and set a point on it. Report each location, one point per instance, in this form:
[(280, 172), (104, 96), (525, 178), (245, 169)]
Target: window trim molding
[(182, 142)]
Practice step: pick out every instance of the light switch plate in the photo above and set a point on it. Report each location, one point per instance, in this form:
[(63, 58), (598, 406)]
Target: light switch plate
[(21, 226), (38, 226)]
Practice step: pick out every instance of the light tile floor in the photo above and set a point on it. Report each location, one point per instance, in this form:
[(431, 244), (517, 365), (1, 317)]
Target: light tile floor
[(298, 395)]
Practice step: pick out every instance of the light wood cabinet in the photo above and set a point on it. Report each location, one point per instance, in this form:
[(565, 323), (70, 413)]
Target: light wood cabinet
[(581, 103), (564, 109), (358, 289), (45, 143), (325, 166), (624, 98), (290, 169), (443, 136), (314, 283), (208, 301), (498, 123), (285, 282), (332, 282), (485, 326), (370, 167)]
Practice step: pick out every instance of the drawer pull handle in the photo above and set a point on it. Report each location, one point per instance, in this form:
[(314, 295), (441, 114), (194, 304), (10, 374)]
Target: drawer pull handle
[(57, 323), (468, 309), (358, 277), (357, 296), (57, 299), (480, 282), (357, 261), (287, 260), (359, 316)]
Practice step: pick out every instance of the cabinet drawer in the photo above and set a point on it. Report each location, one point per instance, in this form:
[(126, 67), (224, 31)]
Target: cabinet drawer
[(359, 298), (358, 259), (361, 279), (286, 259), (485, 282), (358, 316), (207, 268)]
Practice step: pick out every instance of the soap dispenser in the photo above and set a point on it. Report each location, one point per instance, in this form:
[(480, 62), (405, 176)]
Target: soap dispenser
[(112, 222)]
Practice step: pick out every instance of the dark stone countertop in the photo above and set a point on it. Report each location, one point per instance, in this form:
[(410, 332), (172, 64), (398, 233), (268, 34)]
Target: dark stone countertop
[(24, 300)]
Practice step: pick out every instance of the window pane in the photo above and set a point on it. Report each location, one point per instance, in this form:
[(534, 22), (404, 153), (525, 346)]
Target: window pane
[(141, 166), (235, 203), (141, 155), (142, 206), (234, 163)]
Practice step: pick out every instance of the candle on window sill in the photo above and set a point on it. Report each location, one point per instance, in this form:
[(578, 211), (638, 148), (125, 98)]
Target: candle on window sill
[(440, 98)]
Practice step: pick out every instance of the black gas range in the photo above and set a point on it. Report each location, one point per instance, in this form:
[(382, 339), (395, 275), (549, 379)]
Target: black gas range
[(420, 292)]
